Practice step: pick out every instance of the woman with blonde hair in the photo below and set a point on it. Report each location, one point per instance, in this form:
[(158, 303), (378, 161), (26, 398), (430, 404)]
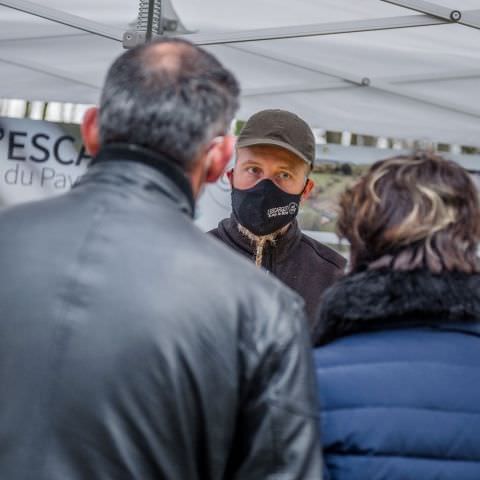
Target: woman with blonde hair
[(398, 362)]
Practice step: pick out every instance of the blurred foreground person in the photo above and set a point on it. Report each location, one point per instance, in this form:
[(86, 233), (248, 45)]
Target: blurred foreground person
[(400, 364), (133, 346)]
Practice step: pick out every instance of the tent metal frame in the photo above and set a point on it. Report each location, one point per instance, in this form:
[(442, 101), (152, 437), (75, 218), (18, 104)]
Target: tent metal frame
[(360, 81), (316, 30), (430, 14), (333, 84)]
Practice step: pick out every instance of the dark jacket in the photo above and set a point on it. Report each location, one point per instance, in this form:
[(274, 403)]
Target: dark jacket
[(305, 265), (399, 377), (135, 347)]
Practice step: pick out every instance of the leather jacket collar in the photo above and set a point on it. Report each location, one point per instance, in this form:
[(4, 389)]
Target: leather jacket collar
[(131, 164)]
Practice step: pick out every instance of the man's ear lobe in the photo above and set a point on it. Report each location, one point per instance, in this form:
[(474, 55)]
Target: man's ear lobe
[(230, 176), (90, 131), (220, 155), (308, 188)]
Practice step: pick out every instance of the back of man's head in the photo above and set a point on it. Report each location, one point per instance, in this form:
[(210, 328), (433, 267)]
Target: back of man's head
[(168, 96)]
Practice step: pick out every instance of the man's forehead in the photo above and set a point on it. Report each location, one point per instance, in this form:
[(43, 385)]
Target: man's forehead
[(270, 153)]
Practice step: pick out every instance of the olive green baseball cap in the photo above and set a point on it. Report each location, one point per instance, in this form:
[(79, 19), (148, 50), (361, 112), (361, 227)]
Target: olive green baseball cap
[(282, 129)]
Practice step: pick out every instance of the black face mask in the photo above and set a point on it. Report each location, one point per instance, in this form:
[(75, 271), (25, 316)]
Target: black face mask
[(264, 208)]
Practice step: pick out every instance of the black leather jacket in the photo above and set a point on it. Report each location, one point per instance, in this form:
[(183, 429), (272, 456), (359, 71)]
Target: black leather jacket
[(135, 347)]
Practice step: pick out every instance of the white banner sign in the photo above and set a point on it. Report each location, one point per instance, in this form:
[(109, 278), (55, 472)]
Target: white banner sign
[(38, 159)]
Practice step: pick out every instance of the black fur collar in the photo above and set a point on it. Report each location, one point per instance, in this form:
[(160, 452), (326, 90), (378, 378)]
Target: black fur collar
[(379, 299)]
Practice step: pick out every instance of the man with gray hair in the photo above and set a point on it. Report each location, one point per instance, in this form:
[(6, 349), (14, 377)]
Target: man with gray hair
[(133, 346)]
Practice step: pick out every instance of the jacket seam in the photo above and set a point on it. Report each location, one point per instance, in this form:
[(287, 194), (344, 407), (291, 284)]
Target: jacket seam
[(319, 369), (399, 407), (63, 310), (399, 455)]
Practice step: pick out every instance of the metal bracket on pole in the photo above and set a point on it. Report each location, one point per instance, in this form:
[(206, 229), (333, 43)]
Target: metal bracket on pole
[(156, 18), (468, 18), (149, 23), (161, 23)]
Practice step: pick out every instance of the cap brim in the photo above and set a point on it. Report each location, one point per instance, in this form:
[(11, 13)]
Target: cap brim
[(250, 142)]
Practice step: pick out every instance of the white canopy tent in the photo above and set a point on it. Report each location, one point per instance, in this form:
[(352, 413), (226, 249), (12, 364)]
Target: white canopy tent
[(404, 68)]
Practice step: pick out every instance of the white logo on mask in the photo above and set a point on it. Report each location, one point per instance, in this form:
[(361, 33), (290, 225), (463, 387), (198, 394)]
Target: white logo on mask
[(289, 209)]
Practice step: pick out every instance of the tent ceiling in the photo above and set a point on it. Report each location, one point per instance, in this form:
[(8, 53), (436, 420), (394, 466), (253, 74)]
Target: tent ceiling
[(419, 81)]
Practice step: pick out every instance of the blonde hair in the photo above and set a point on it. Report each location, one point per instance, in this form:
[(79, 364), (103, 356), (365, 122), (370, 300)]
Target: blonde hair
[(409, 212)]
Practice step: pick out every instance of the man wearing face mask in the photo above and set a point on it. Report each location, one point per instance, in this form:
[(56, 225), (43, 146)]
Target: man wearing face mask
[(275, 155)]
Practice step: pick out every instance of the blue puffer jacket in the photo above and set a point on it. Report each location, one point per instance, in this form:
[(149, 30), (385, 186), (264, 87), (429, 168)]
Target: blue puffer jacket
[(399, 377)]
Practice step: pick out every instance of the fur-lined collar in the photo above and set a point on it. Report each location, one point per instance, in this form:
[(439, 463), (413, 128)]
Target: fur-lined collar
[(380, 299)]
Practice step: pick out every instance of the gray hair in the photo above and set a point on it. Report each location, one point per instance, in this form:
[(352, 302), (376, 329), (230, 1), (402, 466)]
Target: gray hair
[(169, 96)]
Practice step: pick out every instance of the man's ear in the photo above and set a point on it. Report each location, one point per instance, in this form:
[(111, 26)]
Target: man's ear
[(218, 157), (90, 131), (308, 188), (230, 176)]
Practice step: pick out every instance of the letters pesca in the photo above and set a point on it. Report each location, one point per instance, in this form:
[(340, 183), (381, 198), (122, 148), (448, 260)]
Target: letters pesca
[(40, 143), (62, 159)]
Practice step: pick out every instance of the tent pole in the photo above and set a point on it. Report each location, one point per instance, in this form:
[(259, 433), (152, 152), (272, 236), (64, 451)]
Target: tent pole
[(151, 6), (315, 30)]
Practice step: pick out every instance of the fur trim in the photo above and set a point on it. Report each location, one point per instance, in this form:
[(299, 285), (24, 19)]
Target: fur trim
[(379, 299)]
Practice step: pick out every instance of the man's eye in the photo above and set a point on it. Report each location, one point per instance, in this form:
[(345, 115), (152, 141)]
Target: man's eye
[(253, 170), (284, 176)]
